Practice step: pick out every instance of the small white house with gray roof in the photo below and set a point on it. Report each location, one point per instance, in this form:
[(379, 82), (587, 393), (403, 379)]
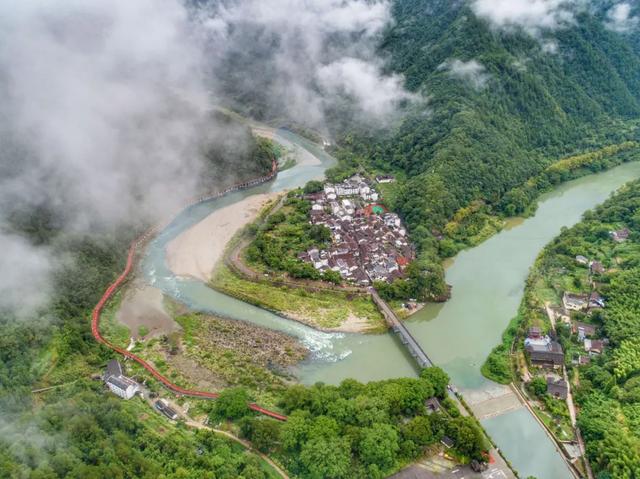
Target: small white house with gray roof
[(118, 383)]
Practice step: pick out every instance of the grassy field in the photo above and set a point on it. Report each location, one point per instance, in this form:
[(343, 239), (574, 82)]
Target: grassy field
[(318, 309)]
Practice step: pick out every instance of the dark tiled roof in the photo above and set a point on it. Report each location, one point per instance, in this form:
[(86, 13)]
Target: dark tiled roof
[(113, 369), (121, 382)]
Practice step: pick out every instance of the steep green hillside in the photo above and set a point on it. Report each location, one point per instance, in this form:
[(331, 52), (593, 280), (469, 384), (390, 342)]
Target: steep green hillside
[(501, 108)]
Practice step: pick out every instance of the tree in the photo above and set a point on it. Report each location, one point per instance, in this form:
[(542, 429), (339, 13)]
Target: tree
[(265, 434), (313, 186), (296, 397), (233, 403), (467, 436), (418, 430), (326, 458), (438, 379), (538, 386), (332, 276), (406, 396), (379, 446), (295, 431)]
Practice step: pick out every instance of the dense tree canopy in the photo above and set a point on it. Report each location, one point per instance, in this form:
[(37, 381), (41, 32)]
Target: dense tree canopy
[(357, 430)]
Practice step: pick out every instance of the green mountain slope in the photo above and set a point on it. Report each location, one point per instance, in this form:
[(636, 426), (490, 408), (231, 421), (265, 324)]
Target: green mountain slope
[(516, 109)]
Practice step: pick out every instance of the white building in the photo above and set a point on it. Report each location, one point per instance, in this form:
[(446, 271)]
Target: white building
[(118, 383), (385, 179)]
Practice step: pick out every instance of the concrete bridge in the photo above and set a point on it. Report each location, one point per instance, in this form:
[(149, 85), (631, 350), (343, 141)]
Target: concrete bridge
[(403, 333)]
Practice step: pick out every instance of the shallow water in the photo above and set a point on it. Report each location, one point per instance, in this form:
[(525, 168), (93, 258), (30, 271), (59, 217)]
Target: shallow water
[(488, 283)]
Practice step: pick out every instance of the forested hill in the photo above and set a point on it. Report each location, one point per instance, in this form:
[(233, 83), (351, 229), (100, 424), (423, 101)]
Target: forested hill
[(502, 104)]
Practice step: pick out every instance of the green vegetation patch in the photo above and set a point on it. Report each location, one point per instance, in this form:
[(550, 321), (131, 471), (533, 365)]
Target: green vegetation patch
[(103, 436), (284, 235), (328, 309), (355, 430)]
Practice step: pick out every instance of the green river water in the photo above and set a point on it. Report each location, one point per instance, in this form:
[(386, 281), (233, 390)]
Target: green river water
[(488, 283)]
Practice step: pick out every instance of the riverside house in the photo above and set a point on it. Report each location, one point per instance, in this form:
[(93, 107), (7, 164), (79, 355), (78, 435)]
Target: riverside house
[(574, 302), (544, 352), (582, 302), (583, 330), (557, 387), (582, 259), (621, 235), (597, 267), (593, 346)]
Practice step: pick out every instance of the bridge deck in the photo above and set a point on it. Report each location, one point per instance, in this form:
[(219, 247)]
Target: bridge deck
[(403, 333)]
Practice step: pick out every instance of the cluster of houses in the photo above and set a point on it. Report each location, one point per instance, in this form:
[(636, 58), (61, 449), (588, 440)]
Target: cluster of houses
[(368, 242), (543, 351), (546, 352)]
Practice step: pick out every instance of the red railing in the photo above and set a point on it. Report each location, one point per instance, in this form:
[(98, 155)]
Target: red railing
[(95, 316)]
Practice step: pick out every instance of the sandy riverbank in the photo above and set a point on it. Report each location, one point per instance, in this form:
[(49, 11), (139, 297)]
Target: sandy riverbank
[(196, 251), (142, 311)]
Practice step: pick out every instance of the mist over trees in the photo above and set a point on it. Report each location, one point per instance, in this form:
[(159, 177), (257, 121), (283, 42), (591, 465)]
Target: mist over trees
[(108, 125)]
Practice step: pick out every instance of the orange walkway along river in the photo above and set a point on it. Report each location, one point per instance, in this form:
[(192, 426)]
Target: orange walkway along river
[(95, 316)]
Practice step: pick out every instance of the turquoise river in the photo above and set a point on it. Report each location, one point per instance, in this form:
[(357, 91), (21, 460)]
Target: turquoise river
[(487, 280)]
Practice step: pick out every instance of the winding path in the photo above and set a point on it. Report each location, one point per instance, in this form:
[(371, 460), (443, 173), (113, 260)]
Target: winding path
[(97, 310)]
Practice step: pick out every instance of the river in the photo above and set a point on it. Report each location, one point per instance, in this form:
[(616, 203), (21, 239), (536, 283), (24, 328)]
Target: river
[(488, 283)]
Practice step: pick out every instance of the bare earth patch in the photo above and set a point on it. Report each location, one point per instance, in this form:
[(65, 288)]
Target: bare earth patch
[(142, 311)]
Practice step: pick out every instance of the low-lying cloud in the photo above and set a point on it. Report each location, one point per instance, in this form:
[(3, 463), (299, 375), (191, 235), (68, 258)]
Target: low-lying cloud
[(620, 18), (106, 105), (540, 17), (102, 104), (472, 72), (24, 284), (299, 55), (533, 16), (374, 94)]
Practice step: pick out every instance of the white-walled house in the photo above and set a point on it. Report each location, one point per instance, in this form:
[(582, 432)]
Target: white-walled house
[(118, 383)]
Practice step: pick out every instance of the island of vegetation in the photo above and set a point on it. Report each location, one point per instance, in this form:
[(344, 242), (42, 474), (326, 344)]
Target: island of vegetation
[(574, 344)]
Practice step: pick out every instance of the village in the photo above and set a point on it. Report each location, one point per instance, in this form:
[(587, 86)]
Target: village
[(546, 352), (576, 309), (368, 243), (573, 339)]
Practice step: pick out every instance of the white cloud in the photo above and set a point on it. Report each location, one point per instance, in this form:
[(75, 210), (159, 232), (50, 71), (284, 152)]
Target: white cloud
[(620, 19), (302, 51), (103, 106), (24, 283), (472, 72), (375, 94), (533, 16)]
